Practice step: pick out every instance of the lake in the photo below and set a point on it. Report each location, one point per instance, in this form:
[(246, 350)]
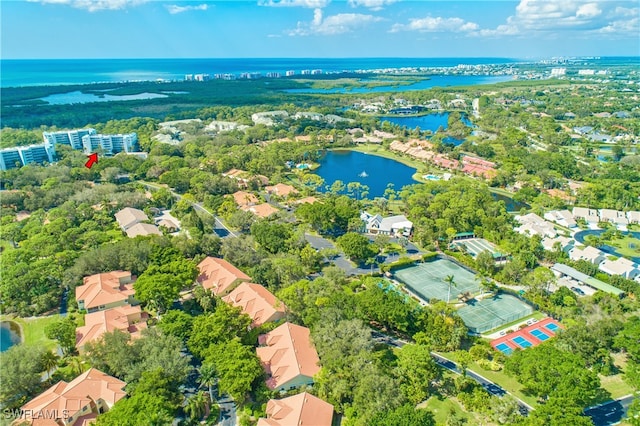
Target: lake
[(78, 97), (429, 122), (9, 335), (512, 205), (348, 166)]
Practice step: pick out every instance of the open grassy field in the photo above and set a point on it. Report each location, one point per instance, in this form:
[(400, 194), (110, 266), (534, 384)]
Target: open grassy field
[(441, 407), (627, 246), (33, 330)]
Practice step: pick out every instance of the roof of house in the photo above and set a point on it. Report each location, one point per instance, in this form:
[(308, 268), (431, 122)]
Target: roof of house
[(587, 253), (103, 289), (620, 266), (73, 396), (395, 222), (168, 223), (298, 410), (243, 198), (126, 318), (129, 216), (585, 212), (262, 210), (235, 173), (218, 275), (281, 189), (633, 216), (309, 200), (590, 281), (142, 229), (288, 354), (257, 302)]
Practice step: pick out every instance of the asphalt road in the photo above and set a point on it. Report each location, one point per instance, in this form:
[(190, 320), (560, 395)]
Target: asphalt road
[(443, 362), (228, 415), (609, 413)]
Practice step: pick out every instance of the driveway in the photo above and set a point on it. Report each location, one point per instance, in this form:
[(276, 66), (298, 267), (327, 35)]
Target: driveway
[(340, 261), (228, 415)]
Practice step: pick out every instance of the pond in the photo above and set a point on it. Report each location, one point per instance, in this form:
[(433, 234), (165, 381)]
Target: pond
[(430, 122), (512, 205), (581, 235), (79, 97), (9, 335), (370, 170), (432, 81)]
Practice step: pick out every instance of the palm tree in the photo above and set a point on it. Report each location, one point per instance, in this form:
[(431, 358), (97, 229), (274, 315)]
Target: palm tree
[(77, 365), (196, 406), (449, 279), (49, 361), (208, 378)]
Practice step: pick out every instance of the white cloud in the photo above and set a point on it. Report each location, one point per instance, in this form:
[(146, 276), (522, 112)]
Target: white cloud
[(94, 5), (371, 4), (175, 9), (334, 24), (438, 24), (313, 4)]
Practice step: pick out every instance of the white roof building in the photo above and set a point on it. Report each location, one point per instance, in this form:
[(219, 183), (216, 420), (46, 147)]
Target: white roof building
[(633, 216), (621, 266), (566, 243), (588, 253), (392, 225), (129, 216), (561, 217), (532, 224), (613, 216), (589, 215), (269, 118)]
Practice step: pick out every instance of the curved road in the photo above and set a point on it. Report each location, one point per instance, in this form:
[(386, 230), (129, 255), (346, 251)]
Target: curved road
[(610, 413), (488, 385)]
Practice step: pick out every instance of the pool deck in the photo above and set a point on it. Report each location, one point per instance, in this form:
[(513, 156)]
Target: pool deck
[(526, 333)]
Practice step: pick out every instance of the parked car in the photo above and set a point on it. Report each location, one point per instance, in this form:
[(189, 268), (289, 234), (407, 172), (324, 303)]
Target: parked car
[(578, 291)]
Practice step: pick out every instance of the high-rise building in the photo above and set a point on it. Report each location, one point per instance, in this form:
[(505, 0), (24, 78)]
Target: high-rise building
[(110, 144), (68, 137), (19, 156)]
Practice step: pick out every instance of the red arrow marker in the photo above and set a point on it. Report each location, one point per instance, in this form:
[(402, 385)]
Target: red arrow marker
[(93, 158)]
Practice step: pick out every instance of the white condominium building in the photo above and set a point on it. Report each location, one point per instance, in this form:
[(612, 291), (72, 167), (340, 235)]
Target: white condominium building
[(110, 144), (68, 137)]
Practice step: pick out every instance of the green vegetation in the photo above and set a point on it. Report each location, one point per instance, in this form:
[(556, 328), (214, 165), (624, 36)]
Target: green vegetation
[(33, 330)]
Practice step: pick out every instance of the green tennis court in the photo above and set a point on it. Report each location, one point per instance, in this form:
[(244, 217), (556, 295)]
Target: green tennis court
[(487, 314), (427, 280), (475, 246)]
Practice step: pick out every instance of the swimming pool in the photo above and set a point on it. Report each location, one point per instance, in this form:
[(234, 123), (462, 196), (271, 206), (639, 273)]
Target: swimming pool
[(522, 342), (539, 334), (551, 327), (431, 177), (504, 348)]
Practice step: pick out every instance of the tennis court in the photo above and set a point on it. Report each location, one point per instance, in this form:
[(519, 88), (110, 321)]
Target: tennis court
[(539, 334), (487, 314), (427, 280), (504, 348), (532, 335), (475, 246), (551, 327)]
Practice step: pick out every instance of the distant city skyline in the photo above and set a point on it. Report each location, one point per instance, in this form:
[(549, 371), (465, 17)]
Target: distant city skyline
[(525, 29)]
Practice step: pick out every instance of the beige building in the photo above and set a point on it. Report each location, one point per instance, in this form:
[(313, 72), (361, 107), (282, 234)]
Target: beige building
[(104, 291), (76, 403), (288, 357)]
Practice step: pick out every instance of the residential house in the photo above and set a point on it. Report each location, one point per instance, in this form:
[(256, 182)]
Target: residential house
[(588, 253), (76, 403), (105, 291), (309, 200), (633, 216), (300, 409), (220, 276), (244, 199), (395, 226), (281, 190), (621, 266), (288, 357), (257, 302), (263, 210), (128, 319), (129, 216), (566, 243), (589, 215), (142, 229), (614, 216), (561, 217), (532, 224)]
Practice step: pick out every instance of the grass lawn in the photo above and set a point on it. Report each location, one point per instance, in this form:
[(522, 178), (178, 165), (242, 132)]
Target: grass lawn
[(442, 407), (381, 151), (615, 385), (623, 246), (33, 330)]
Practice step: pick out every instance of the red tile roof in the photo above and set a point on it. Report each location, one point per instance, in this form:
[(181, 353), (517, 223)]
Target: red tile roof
[(219, 276), (104, 289), (257, 302), (298, 410)]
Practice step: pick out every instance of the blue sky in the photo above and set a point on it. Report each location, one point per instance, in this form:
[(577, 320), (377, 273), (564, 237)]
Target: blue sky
[(34, 29)]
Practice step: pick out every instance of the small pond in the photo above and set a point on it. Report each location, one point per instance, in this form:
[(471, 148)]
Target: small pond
[(370, 170), (512, 205), (9, 335)]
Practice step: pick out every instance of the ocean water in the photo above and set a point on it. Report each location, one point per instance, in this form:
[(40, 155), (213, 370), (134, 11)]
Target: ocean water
[(37, 72)]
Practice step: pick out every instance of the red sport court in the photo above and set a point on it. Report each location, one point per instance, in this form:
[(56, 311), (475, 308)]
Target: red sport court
[(527, 337)]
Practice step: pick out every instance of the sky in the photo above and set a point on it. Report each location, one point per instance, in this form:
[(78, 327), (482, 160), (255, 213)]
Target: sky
[(523, 29)]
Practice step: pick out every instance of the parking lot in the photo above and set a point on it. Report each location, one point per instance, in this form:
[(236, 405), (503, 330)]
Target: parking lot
[(571, 284)]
